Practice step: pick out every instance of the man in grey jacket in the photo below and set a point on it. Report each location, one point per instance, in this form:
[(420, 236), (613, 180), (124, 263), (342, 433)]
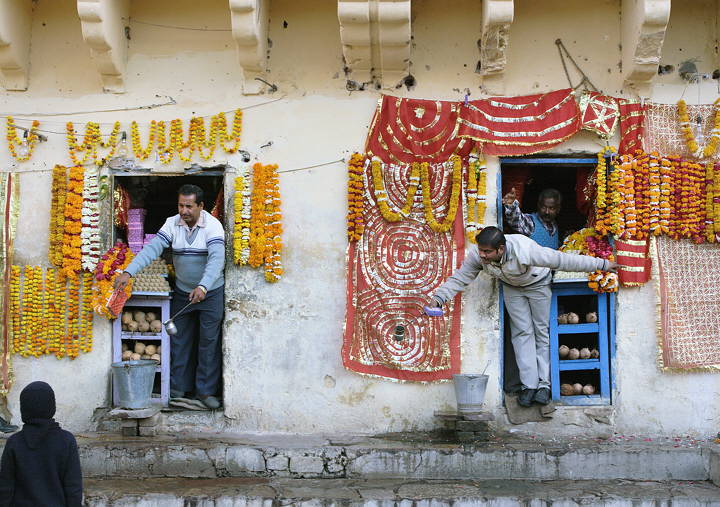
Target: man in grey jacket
[(524, 268)]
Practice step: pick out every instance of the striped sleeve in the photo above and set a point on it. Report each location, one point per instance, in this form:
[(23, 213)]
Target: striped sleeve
[(166, 232)]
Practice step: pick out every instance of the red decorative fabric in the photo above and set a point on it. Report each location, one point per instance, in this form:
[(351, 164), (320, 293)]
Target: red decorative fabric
[(509, 126), (392, 270), (415, 130), (599, 113), (632, 121), (636, 264)]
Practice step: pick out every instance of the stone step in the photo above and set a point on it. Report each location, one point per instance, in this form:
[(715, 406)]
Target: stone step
[(383, 458), (390, 493)]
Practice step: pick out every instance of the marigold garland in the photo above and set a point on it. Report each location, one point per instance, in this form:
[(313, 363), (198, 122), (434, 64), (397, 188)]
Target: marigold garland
[(71, 248), (90, 220), (92, 140), (381, 193), (57, 215), (356, 193), (86, 318), (476, 198), (258, 218), (690, 141), (14, 141), (273, 234), (15, 305), (446, 224), (589, 241), (241, 231), (116, 258)]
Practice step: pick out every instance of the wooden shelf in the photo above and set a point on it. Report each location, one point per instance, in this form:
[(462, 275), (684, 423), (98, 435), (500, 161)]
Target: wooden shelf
[(587, 327)]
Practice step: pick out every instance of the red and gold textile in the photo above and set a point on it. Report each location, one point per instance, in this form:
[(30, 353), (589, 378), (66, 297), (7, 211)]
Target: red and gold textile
[(415, 130), (599, 113), (635, 263), (392, 269), (688, 296), (509, 126), (632, 125), (10, 200)]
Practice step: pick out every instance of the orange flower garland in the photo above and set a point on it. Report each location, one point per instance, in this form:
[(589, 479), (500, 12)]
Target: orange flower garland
[(117, 258), (666, 194), (476, 198), (14, 141), (258, 218), (709, 203), (381, 194), (356, 191), (654, 193), (273, 233), (15, 305), (716, 201), (57, 215), (446, 224), (72, 242)]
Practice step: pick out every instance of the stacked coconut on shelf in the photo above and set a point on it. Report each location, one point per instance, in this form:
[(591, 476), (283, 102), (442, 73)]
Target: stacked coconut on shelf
[(145, 323), (571, 353)]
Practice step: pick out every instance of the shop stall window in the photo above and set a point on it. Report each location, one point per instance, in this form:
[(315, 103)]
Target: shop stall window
[(529, 176)]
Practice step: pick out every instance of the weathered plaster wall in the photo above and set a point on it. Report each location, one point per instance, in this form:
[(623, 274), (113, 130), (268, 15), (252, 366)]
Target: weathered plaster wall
[(282, 347)]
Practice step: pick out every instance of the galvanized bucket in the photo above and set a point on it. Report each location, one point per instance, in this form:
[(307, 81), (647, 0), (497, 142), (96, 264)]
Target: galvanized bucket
[(470, 391), (134, 382)]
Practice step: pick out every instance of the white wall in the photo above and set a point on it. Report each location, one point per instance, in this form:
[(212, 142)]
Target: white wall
[(283, 370)]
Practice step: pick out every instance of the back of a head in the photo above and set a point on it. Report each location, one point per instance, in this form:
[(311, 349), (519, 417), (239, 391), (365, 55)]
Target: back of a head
[(37, 401), (491, 237)]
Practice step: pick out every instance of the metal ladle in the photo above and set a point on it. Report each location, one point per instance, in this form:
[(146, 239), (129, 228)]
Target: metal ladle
[(170, 326)]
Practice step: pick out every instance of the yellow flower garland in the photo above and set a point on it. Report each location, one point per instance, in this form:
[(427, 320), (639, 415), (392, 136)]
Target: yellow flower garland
[(381, 194), (476, 198), (446, 224), (86, 320), (258, 218), (91, 142), (602, 189), (72, 243), (685, 127), (14, 141), (273, 234), (15, 305), (57, 215), (356, 193), (241, 231)]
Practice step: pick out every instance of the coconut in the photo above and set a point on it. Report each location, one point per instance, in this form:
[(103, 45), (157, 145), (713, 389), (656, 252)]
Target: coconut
[(563, 350), (155, 357), (150, 316), (591, 317), (139, 348), (126, 355), (145, 356), (126, 317), (573, 354), (577, 388), (566, 390), (588, 389), (124, 347), (156, 326), (139, 316), (143, 326), (572, 318), (132, 326), (150, 350), (135, 357), (562, 318), (585, 353), (594, 354)]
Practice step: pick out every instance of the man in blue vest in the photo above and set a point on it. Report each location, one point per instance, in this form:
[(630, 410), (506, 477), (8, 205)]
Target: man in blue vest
[(541, 225)]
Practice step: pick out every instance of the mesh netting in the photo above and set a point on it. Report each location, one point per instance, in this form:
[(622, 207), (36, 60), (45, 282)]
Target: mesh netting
[(662, 128), (689, 304)]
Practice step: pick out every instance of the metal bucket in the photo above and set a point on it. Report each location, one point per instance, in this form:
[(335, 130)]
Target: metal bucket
[(134, 381), (470, 391)]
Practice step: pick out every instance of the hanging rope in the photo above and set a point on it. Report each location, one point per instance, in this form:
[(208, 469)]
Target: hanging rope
[(585, 80)]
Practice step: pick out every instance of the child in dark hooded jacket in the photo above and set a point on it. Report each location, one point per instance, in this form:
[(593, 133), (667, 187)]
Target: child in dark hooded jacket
[(40, 464)]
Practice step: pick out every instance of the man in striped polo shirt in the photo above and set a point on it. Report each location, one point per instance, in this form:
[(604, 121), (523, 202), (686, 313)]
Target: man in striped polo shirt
[(197, 241)]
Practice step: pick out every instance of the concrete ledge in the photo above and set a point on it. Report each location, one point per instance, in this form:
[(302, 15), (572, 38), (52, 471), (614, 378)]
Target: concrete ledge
[(392, 493), (368, 458)]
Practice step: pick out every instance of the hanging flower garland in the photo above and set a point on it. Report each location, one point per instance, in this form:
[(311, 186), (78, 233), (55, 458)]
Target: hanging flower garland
[(381, 196), (57, 215), (273, 234), (71, 248), (117, 258), (690, 141), (258, 218), (90, 231), (666, 192), (446, 224), (15, 306), (86, 317), (476, 198), (589, 241), (356, 192), (91, 142), (14, 141), (654, 194), (139, 152), (241, 231), (72, 338), (56, 287)]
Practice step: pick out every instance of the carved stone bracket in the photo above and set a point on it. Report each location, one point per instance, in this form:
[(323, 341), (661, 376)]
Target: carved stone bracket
[(103, 25), (644, 23), (497, 15), (249, 20), (15, 27), (375, 35)]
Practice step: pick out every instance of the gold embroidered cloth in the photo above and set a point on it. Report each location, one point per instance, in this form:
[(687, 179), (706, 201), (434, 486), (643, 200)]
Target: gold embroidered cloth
[(9, 197)]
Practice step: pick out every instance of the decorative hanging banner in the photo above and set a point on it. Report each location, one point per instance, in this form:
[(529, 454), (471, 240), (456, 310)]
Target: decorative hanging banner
[(511, 126), (599, 113), (635, 264), (10, 199), (663, 129), (392, 270), (688, 295), (415, 130), (632, 125)]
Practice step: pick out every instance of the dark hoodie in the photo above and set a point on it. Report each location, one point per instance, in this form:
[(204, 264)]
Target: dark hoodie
[(40, 464)]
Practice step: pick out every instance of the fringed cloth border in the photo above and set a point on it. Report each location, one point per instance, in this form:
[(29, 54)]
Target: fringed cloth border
[(657, 270), (10, 197)]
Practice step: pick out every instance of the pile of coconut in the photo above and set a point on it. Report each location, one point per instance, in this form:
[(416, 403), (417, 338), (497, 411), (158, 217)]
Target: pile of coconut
[(567, 353), (141, 322), (141, 351), (576, 389), (574, 318)]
